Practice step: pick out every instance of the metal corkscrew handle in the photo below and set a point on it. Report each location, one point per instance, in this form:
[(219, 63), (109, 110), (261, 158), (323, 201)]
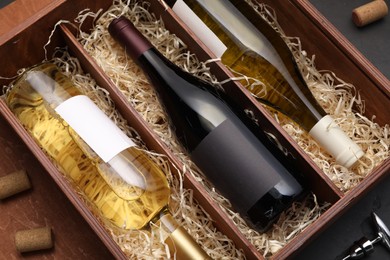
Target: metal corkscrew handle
[(365, 246)]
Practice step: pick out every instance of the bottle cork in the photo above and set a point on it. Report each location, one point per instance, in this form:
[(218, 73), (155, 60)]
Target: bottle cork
[(14, 183), (33, 239), (369, 12)]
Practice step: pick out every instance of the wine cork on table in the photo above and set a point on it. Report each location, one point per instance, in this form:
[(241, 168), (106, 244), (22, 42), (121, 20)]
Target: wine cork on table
[(33, 239), (369, 12), (14, 183)]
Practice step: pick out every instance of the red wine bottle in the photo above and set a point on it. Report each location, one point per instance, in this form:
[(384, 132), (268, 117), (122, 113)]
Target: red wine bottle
[(231, 157)]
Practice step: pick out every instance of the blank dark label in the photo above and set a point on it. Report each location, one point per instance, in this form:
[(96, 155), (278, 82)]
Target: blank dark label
[(239, 166)]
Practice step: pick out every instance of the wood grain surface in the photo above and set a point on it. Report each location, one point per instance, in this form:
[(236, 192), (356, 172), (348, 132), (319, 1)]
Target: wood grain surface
[(44, 204), (17, 12)]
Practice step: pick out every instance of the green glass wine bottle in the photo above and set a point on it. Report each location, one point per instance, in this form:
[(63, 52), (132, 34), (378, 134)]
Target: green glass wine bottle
[(248, 52)]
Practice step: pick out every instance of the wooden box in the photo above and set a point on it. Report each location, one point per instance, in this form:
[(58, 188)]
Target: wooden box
[(25, 29)]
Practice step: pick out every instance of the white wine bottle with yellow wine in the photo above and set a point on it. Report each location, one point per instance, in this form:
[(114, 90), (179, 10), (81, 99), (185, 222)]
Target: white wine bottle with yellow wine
[(119, 179), (267, 59)]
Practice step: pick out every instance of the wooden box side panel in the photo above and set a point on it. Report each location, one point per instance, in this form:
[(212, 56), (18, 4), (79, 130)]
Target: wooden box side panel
[(20, 14), (294, 19), (27, 40)]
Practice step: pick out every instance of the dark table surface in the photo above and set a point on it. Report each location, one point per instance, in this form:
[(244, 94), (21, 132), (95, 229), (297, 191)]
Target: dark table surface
[(353, 225), (373, 41), (5, 2)]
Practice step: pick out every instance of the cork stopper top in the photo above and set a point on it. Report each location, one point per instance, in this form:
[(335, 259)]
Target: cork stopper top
[(124, 31)]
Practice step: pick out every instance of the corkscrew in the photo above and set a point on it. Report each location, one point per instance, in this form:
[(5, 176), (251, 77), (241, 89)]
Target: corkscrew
[(365, 246)]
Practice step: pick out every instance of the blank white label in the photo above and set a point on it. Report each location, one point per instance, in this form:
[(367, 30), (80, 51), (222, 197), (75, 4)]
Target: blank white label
[(94, 127)]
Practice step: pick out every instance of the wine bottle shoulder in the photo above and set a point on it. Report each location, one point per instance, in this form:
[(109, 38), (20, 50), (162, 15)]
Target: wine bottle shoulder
[(187, 91)]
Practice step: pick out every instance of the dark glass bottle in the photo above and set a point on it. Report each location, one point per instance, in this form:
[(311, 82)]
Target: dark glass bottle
[(233, 159)]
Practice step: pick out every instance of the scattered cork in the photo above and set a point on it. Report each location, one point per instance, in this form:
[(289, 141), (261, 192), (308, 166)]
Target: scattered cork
[(369, 12), (14, 183), (33, 239)]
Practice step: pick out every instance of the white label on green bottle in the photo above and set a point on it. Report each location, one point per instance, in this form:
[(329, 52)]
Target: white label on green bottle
[(199, 28), (94, 127)]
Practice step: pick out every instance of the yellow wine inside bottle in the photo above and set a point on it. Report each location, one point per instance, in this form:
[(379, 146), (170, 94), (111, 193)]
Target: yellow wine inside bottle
[(127, 206), (271, 87)]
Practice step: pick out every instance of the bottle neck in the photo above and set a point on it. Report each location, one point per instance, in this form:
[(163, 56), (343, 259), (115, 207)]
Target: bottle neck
[(180, 243), (123, 31)]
